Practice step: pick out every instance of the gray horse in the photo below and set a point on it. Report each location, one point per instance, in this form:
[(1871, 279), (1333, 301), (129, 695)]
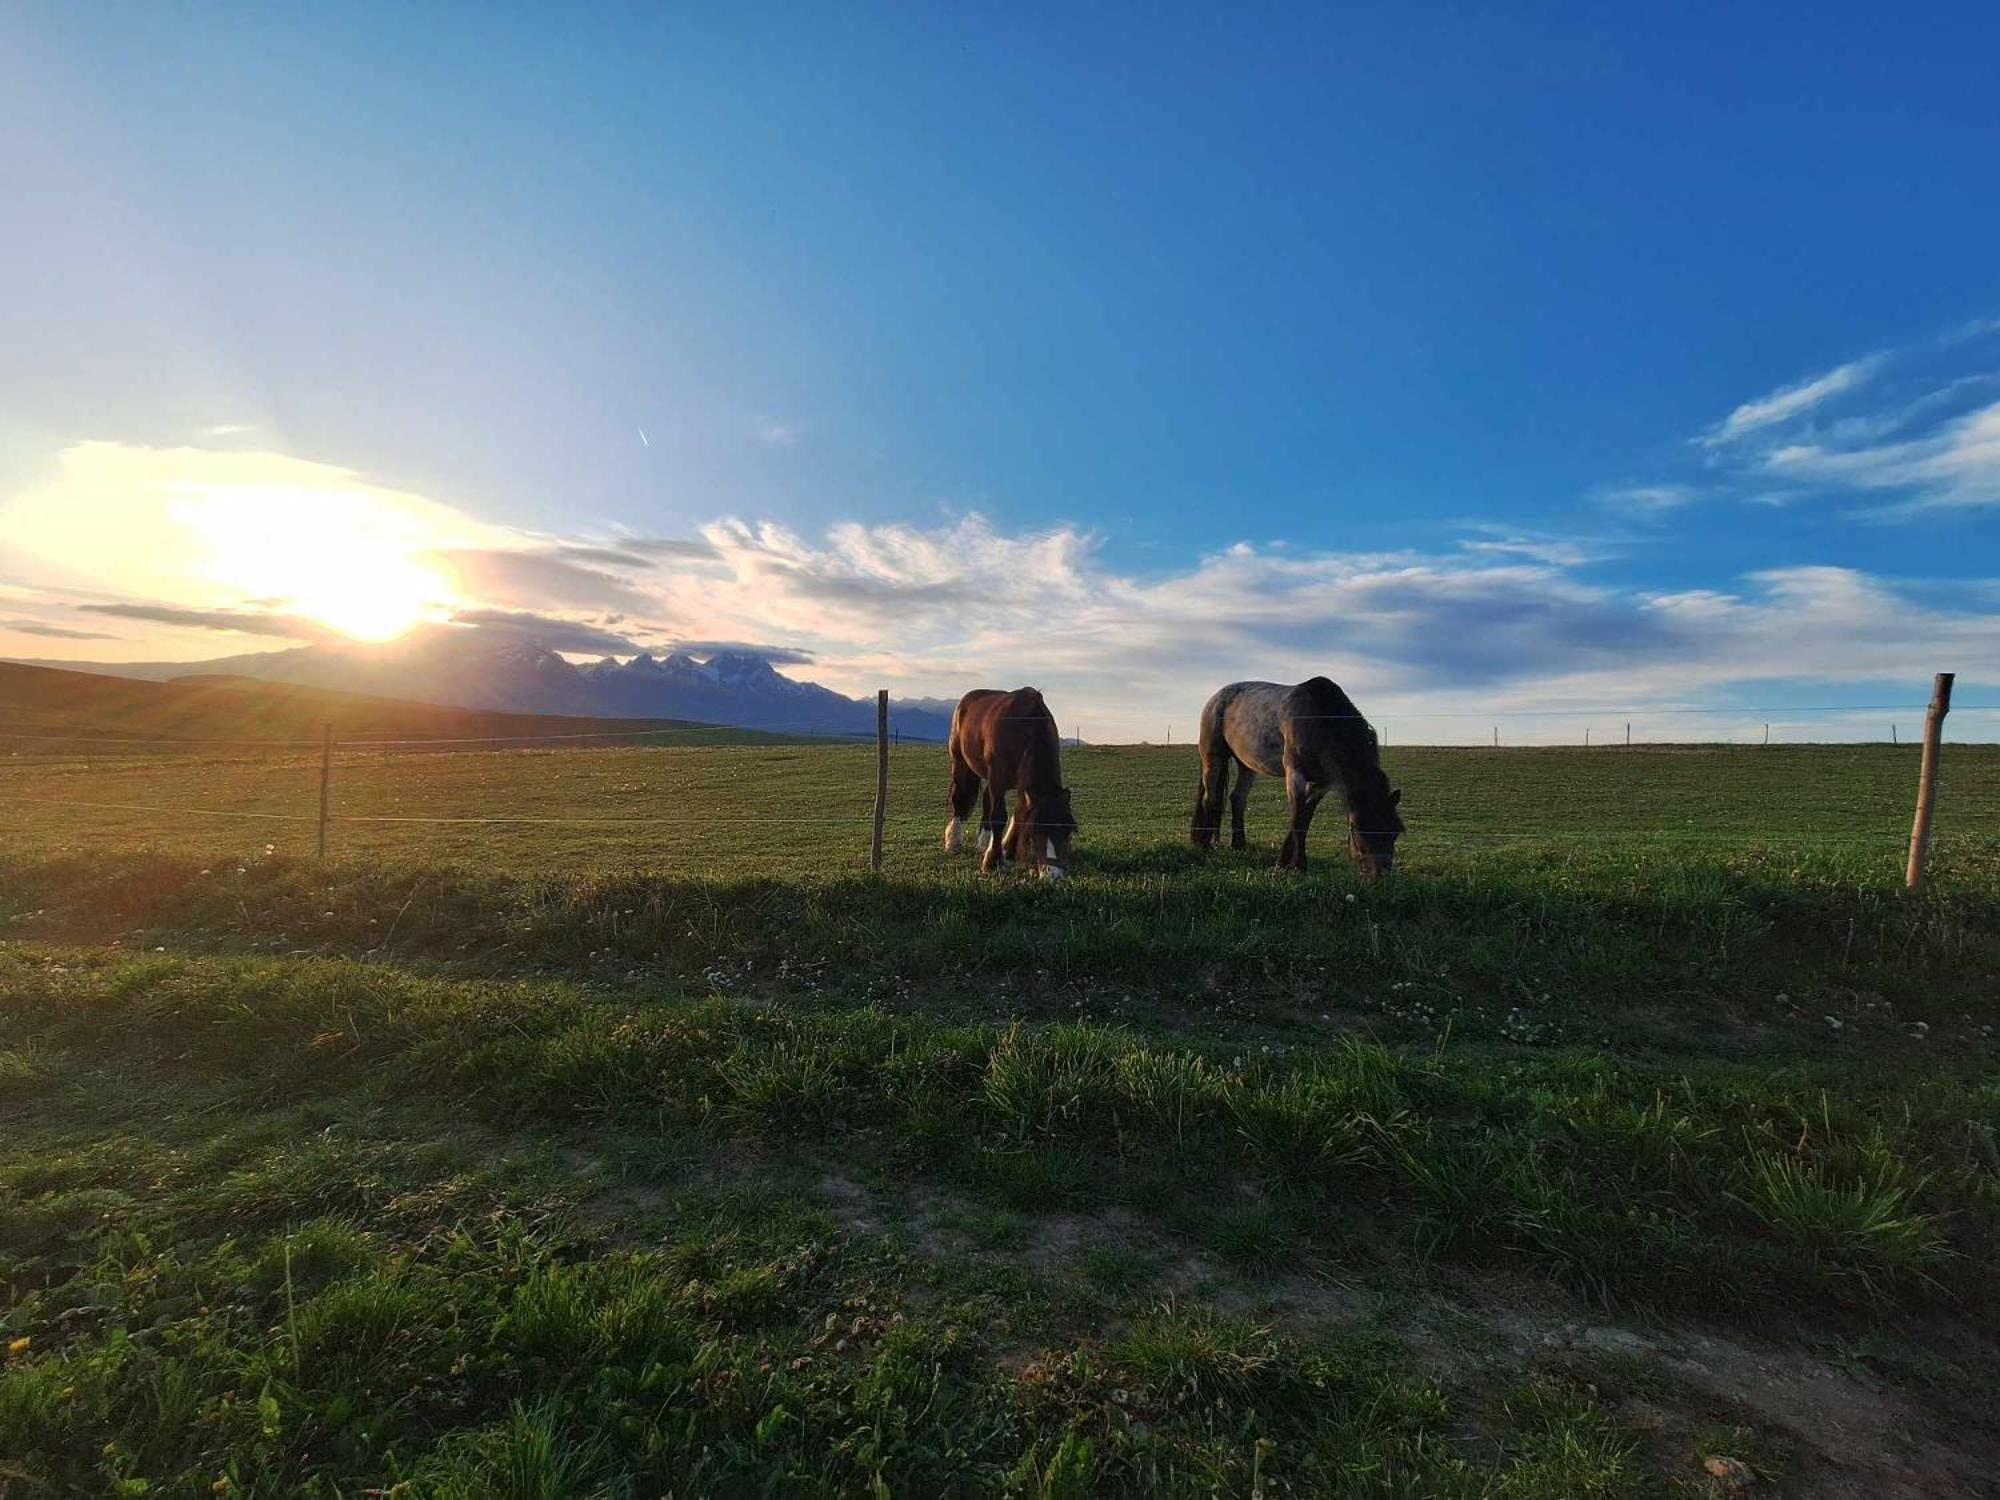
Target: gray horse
[(1315, 738)]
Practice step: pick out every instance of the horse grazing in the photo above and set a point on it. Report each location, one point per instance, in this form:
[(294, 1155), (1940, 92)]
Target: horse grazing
[(1315, 738), (1009, 741)]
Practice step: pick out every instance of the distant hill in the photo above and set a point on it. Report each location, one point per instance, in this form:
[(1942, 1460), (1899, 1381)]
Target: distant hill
[(506, 673), (46, 709)]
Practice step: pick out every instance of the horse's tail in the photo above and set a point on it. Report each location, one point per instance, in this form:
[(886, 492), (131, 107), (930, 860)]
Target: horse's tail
[(1213, 757), (1207, 824)]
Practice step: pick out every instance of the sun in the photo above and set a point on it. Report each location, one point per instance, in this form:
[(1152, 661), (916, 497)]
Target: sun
[(354, 560), (376, 601)]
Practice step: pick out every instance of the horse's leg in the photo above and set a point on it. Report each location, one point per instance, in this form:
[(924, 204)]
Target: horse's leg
[(964, 787), (1238, 801), (990, 838), (1013, 818), (1302, 800)]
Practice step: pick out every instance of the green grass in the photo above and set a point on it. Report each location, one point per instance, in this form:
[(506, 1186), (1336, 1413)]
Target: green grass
[(685, 1157), (737, 812), (47, 713), (221, 1283)]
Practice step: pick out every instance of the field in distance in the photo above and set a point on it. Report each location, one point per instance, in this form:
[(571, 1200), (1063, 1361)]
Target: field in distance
[(1642, 1120), (804, 809), (49, 711)]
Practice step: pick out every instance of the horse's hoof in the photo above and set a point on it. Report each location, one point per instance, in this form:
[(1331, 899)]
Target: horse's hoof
[(1054, 872)]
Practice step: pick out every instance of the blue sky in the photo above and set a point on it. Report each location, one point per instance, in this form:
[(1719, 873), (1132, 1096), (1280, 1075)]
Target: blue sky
[(1572, 354)]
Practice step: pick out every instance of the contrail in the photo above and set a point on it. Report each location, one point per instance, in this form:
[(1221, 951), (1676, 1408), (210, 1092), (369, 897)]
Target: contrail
[(642, 437)]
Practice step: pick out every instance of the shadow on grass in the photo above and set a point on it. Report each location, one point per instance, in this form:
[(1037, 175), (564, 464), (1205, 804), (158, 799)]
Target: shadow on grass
[(1744, 934)]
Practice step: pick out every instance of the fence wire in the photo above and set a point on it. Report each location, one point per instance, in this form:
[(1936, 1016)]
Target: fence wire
[(1435, 831)]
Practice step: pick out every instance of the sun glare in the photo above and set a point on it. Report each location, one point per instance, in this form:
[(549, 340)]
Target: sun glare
[(348, 559)]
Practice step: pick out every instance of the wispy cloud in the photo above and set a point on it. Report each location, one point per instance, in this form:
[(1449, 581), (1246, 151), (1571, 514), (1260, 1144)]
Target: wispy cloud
[(1555, 551), (686, 548), (530, 577), (1955, 467), (1913, 431), (53, 632), (779, 434), (1792, 400), (777, 655), (557, 633), (1647, 499), (592, 552), (239, 621)]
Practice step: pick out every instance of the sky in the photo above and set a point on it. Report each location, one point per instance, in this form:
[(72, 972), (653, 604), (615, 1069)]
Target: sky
[(1532, 365)]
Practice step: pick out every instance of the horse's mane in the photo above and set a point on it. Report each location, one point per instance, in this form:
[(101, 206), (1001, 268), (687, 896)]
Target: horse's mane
[(1356, 748)]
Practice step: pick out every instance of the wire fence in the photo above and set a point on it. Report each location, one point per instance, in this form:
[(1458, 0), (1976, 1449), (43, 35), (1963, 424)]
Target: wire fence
[(1582, 726), (800, 802)]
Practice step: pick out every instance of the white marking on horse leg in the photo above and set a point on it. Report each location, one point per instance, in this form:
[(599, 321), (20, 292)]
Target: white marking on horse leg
[(1049, 850), (954, 836), (985, 839), (1054, 872), (1007, 837)]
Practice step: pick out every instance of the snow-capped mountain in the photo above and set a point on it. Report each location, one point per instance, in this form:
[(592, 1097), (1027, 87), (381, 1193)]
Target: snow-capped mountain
[(491, 670)]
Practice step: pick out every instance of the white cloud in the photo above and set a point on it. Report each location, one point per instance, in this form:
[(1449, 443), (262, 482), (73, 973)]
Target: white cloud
[(1915, 429), (1953, 467), (1490, 627), (1560, 553), (1647, 499), (779, 434), (1498, 623), (1782, 405)]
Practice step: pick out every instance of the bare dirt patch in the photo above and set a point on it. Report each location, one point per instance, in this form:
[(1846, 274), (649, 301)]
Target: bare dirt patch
[(1815, 1429)]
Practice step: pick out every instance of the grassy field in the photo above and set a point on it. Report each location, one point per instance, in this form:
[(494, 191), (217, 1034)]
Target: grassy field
[(47, 711), (1642, 1120)]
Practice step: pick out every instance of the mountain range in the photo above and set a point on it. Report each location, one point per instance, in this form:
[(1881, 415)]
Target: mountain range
[(482, 670)]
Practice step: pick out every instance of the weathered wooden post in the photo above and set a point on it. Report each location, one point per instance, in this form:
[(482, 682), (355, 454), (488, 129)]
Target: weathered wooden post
[(1920, 830), (325, 775), (881, 777)]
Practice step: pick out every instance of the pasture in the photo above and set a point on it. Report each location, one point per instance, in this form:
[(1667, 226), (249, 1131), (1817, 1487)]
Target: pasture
[(1642, 1119)]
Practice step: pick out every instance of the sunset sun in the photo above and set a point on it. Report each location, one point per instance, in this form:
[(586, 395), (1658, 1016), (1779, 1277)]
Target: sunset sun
[(352, 560)]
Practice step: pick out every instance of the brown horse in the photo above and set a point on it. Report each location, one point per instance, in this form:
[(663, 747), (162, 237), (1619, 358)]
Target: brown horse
[(1315, 738), (1009, 742)]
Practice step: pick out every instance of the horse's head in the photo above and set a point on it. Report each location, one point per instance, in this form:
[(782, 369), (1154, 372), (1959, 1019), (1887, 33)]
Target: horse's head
[(1050, 827), (1372, 826)]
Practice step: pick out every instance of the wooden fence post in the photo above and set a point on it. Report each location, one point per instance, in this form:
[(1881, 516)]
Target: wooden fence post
[(881, 777), (1920, 830), (325, 774)]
